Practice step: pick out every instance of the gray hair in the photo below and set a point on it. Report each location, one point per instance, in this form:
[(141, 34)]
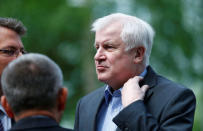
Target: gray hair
[(135, 32), (14, 25), (32, 81)]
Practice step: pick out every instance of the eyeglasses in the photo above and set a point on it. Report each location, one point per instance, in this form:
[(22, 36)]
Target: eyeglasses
[(12, 52)]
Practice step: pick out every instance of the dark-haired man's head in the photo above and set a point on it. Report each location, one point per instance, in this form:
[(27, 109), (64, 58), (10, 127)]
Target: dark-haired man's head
[(11, 45)]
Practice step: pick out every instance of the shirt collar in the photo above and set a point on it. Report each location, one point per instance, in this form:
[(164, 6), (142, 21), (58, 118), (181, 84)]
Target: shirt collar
[(2, 110), (143, 73), (108, 94)]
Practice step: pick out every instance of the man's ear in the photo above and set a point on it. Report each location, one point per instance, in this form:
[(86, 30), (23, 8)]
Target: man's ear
[(62, 96), (7, 107), (139, 54)]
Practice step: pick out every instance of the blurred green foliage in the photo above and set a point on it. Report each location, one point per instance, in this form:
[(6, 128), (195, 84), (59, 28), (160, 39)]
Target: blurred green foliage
[(61, 30)]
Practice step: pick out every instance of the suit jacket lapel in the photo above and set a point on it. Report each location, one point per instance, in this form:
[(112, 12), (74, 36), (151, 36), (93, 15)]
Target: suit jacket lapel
[(151, 80), (98, 99)]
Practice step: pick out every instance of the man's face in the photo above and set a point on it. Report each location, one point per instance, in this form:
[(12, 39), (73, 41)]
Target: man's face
[(114, 65), (9, 40)]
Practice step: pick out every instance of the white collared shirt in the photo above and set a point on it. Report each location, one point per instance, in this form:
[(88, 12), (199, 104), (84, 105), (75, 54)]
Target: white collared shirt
[(5, 120)]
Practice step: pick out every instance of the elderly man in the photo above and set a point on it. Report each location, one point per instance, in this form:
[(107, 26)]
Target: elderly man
[(11, 47), (135, 98), (33, 93)]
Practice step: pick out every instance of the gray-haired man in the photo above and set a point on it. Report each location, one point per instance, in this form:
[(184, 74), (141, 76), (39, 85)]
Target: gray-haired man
[(123, 45), (33, 93)]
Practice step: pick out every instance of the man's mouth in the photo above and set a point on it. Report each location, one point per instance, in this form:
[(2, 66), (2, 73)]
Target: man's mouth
[(101, 67)]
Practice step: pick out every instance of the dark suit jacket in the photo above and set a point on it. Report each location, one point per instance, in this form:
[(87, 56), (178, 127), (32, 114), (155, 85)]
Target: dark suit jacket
[(37, 124), (166, 107)]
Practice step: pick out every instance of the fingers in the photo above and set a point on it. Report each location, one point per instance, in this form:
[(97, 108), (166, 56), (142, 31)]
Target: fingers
[(137, 78), (132, 91), (144, 88)]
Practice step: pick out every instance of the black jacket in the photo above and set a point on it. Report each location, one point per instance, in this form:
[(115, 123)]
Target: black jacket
[(37, 124), (167, 106)]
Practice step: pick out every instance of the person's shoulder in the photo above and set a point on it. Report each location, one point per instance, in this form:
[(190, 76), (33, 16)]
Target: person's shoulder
[(44, 129), (171, 87), (165, 86), (163, 81), (65, 129), (94, 94), (59, 128), (92, 99)]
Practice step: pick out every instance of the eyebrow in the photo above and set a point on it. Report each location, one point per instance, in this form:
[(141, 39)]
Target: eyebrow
[(108, 42), (105, 42), (12, 47)]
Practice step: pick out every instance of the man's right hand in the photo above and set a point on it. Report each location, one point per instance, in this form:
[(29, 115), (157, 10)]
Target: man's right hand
[(132, 92)]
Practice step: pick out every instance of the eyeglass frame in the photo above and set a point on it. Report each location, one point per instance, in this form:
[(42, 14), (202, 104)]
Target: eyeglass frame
[(15, 53)]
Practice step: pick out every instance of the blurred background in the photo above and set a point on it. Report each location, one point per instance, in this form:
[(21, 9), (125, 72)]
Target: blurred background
[(60, 29)]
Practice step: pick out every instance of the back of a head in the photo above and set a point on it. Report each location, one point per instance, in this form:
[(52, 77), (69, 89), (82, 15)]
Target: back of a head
[(135, 32), (32, 81), (13, 24)]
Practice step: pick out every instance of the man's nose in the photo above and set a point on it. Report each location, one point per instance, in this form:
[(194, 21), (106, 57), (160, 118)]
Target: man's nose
[(99, 55)]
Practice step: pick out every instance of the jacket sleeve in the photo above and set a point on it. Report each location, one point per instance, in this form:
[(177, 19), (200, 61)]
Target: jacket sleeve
[(177, 115)]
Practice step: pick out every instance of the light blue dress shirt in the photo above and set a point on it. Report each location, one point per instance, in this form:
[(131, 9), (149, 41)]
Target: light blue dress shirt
[(111, 107), (5, 120)]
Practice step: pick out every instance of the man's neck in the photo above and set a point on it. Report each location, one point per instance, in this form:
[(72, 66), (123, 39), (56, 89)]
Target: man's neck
[(30, 113), (138, 72)]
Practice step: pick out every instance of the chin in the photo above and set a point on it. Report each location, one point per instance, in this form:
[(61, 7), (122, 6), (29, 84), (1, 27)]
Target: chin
[(102, 78)]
